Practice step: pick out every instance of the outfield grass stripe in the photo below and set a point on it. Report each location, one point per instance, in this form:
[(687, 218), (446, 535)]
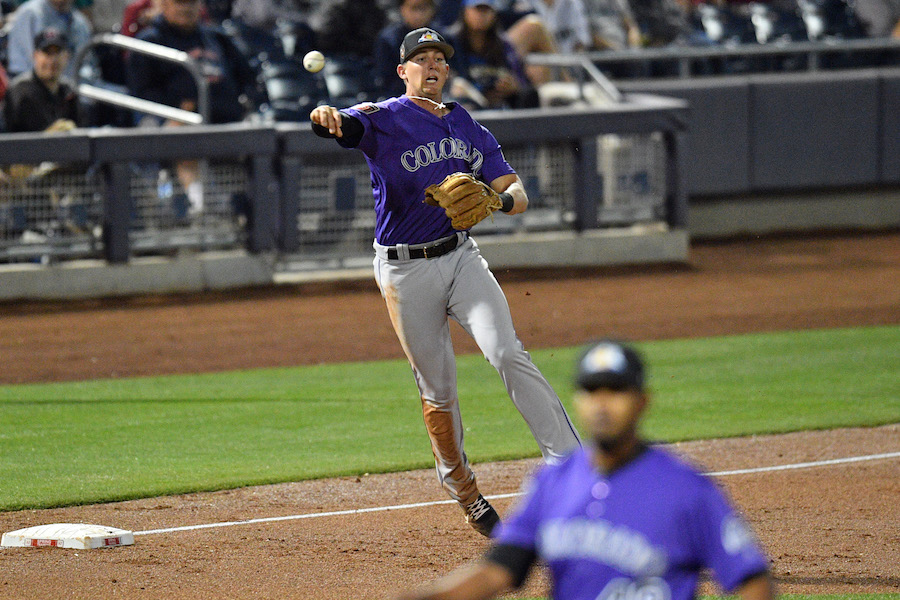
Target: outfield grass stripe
[(372, 509)]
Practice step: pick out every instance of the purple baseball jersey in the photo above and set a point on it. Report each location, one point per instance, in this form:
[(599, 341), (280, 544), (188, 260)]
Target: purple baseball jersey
[(645, 531), (409, 148)]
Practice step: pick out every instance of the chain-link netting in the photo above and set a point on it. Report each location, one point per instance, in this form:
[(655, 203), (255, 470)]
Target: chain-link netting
[(54, 212), (49, 211)]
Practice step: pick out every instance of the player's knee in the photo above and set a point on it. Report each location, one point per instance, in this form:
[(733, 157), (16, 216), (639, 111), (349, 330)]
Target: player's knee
[(503, 357)]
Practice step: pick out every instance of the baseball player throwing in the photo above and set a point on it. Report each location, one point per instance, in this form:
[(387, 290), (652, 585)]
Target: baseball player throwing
[(619, 520), (435, 173)]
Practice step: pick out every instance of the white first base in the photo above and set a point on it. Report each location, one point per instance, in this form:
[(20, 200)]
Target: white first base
[(80, 536)]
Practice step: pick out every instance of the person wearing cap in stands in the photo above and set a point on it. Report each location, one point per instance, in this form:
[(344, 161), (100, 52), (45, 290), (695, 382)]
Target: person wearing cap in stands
[(619, 519), (428, 272), (40, 98), (35, 16)]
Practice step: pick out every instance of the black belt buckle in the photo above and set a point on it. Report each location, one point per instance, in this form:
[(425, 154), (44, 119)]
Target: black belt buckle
[(434, 250)]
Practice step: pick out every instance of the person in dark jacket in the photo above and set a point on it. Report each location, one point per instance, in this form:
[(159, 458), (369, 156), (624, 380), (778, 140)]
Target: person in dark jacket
[(40, 97), (228, 73), (231, 80)]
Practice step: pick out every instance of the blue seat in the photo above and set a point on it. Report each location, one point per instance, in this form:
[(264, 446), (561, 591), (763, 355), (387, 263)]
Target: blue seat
[(349, 79), (292, 91)]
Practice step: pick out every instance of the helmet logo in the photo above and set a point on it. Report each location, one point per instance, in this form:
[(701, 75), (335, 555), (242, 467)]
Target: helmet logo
[(605, 358)]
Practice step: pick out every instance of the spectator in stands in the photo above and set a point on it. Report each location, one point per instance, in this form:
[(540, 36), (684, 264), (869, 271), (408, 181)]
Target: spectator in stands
[(106, 15), (230, 78), (33, 17), (41, 99), (264, 14), (567, 22), (487, 61), (138, 15), (880, 18), (349, 28), (663, 22), (613, 26), (523, 27), (217, 10), (4, 82), (413, 15)]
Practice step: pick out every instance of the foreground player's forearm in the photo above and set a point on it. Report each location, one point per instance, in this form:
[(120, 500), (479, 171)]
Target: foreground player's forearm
[(757, 588), (478, 581)]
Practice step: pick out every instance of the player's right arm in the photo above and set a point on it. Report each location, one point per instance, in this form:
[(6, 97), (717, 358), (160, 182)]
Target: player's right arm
[(329, 122), (329, 118)]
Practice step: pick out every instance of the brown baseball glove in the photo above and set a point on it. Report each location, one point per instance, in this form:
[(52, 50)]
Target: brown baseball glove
[(466, 200)]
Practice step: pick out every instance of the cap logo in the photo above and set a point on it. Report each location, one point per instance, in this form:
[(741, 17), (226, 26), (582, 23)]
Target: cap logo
[(605, 358), (428, 36)]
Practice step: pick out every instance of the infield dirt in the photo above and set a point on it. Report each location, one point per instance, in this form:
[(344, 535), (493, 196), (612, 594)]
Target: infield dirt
[(830, 529)]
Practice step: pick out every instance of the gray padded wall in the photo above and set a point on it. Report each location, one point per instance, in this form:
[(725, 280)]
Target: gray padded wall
[(718, 131), (814, 130), (890, 127)]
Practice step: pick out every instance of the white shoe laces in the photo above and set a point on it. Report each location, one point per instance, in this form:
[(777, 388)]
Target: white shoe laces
[(477, 509)]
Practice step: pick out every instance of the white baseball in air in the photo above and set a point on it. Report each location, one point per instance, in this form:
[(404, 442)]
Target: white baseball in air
[(313, 61)]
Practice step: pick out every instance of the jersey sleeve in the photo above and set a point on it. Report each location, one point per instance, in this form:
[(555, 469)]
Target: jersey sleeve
[(495, 164), (367, 115), (725, 541)]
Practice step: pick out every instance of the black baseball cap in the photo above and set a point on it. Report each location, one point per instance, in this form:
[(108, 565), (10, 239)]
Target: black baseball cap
[(419, 39), (611, 365), (51, 37)]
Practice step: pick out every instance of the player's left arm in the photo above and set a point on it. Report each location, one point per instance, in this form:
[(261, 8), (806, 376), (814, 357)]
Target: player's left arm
[(476, 581), (511, 184)]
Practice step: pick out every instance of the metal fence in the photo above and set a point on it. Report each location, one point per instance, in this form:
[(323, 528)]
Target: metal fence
[(731, 59), (284, 190)]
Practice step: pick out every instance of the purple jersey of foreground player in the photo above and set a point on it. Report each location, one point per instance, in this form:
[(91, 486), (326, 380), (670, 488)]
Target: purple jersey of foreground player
[(644, 531), (409, 148)]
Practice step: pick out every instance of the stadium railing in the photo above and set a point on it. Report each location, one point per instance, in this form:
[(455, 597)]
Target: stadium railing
[(728, 59), (111, 193)]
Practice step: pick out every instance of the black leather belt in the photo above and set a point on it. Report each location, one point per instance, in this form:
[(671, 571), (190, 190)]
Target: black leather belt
[(430, 251)]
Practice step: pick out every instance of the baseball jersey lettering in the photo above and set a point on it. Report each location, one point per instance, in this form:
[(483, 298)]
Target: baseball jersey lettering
[(600, 540), (626, 589), (447, 148)]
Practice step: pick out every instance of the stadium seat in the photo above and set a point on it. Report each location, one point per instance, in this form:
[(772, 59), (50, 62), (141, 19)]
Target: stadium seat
[(349, 80), (257, 45), (292, 91)]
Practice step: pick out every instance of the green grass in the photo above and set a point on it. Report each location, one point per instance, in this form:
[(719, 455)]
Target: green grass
[(85, 442)]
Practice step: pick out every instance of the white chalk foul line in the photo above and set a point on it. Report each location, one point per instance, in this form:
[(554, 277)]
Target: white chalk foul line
[(358, 511)]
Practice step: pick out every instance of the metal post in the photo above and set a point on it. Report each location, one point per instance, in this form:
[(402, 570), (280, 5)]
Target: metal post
[(116, 213), (676, 175), (291, 173), (586, 184), (264, 204)]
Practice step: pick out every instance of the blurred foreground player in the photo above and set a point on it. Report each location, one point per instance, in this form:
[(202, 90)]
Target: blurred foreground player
[(618, 520)]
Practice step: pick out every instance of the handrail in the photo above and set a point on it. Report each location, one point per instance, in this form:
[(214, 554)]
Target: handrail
[(146, 106), (586, 65), (683, 54)]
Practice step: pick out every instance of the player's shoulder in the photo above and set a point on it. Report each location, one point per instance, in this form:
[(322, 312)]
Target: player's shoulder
[(573, 464), (367, 108), (675, 466)]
